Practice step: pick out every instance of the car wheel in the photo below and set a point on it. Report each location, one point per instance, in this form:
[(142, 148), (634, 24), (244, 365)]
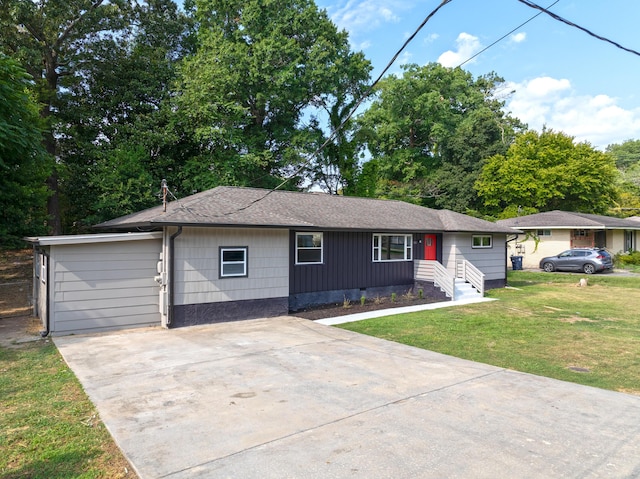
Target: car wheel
[(548, 267), (589, 268)]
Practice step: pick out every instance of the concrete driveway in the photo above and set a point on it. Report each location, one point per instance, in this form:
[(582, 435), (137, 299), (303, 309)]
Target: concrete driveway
[(289, 398)]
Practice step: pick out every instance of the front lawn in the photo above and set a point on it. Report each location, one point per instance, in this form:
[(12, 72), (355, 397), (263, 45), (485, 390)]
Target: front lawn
[(543, 324), (48, 427)]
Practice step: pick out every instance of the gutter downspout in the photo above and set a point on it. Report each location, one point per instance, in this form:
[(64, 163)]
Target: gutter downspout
[(506, 262), (172, 240), (44, 333)]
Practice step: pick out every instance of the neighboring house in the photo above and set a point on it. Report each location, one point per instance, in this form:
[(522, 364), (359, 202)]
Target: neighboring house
[(552, 232), (238, 253)]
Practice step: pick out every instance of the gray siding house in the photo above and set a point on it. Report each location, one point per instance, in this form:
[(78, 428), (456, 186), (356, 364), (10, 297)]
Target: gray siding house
[(89, 283), (239, 253)]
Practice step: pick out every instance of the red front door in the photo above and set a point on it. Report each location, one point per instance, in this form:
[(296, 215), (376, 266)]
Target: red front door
[(430, 247)]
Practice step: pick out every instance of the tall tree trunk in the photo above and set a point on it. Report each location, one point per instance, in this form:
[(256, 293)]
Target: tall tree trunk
[(51, 78)]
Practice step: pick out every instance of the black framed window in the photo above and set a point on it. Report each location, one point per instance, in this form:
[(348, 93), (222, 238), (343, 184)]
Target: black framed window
[(233, 261)]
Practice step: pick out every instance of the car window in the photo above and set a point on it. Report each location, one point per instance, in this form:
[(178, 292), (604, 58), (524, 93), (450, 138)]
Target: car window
[(581, 254), (564, 254)]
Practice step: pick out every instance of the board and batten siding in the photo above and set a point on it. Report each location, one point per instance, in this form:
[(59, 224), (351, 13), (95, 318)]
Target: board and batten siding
[(197, 265), (347, 264), (491, 261), (103, 286)]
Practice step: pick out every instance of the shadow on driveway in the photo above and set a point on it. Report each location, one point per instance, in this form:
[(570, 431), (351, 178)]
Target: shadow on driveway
[(289, 398)]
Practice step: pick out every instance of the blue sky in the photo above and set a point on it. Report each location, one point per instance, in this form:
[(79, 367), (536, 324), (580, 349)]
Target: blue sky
[(562, 77)]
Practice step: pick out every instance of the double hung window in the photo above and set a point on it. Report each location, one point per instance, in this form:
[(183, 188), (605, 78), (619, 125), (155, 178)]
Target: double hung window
[(233, 261), (309, 248)]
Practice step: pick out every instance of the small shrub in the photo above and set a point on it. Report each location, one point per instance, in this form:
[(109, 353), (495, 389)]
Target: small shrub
[(408, 295), (346, 304), (627, 258), (394, 296), (362, 300), (378, 300), (420, 294)]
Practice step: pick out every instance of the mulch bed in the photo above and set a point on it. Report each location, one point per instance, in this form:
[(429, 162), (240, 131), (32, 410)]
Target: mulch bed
[(339, 309)]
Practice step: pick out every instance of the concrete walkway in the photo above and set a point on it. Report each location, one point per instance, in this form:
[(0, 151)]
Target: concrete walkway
[(290, 398), (349, 318)]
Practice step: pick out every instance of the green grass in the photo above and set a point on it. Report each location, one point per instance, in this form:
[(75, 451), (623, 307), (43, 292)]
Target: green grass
[(547, 326), (49, 428)]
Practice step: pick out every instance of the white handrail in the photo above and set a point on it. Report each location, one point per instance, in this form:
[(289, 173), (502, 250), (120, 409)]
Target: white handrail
[(468, 272), (429, 270)]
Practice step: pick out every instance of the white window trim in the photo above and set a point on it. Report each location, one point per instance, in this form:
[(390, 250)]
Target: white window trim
[(321, 247), (244, 263), (408, 248), (481, 246)]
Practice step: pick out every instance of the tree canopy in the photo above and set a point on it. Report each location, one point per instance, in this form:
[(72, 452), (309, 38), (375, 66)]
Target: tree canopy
[(548, 171), (429, 130), (260, 67), (120, 94), (23, 163)]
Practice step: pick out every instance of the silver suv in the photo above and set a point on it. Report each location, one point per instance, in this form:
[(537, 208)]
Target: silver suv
[(587, 260)]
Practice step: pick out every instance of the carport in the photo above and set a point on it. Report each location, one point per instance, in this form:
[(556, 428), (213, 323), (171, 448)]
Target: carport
[(289, 398)]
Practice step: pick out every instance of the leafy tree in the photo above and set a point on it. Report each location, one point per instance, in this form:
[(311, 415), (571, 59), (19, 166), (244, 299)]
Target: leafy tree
[(627, 158), (23, 163), (626, 154), (260, 67), (121, 107), (336, 167), (548, 171), (52, 39), (430, 129)]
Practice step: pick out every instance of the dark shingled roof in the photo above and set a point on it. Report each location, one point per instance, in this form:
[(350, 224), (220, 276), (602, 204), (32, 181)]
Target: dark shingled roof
[(566, 219), (251, 207)]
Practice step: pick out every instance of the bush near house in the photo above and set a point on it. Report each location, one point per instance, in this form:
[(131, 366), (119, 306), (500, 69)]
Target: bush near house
[(627, 258)]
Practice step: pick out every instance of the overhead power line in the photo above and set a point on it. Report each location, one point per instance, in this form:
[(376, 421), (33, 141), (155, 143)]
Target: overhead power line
[(364, 96), (506, 35), (351, 113), (531, 4)]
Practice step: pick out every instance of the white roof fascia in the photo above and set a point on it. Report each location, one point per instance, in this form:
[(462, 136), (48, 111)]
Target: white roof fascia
[(92, 238), (600, 227)]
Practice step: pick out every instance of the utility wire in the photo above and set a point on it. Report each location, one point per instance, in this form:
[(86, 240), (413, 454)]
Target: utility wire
[(366, 94), (351, 113), (571, 24), (505, 35)]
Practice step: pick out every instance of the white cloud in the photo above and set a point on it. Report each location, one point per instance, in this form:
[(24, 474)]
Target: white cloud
[(432, 37), (467, 46), (358, 16), (519, 37), (597, 119)]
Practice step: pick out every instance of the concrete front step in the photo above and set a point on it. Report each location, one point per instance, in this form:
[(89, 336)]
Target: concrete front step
[(465, 290)]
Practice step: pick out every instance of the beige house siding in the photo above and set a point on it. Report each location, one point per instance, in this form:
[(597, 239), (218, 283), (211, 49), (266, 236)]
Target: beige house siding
[(103, 286), (491, 261), (197, 265), (547, 246), (559, 241), (615, 241)]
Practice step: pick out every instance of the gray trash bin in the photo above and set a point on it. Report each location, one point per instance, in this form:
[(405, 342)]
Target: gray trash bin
[(516, 262)]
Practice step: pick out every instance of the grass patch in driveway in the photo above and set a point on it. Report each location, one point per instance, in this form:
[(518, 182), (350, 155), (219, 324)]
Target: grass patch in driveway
[(546, 325)]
